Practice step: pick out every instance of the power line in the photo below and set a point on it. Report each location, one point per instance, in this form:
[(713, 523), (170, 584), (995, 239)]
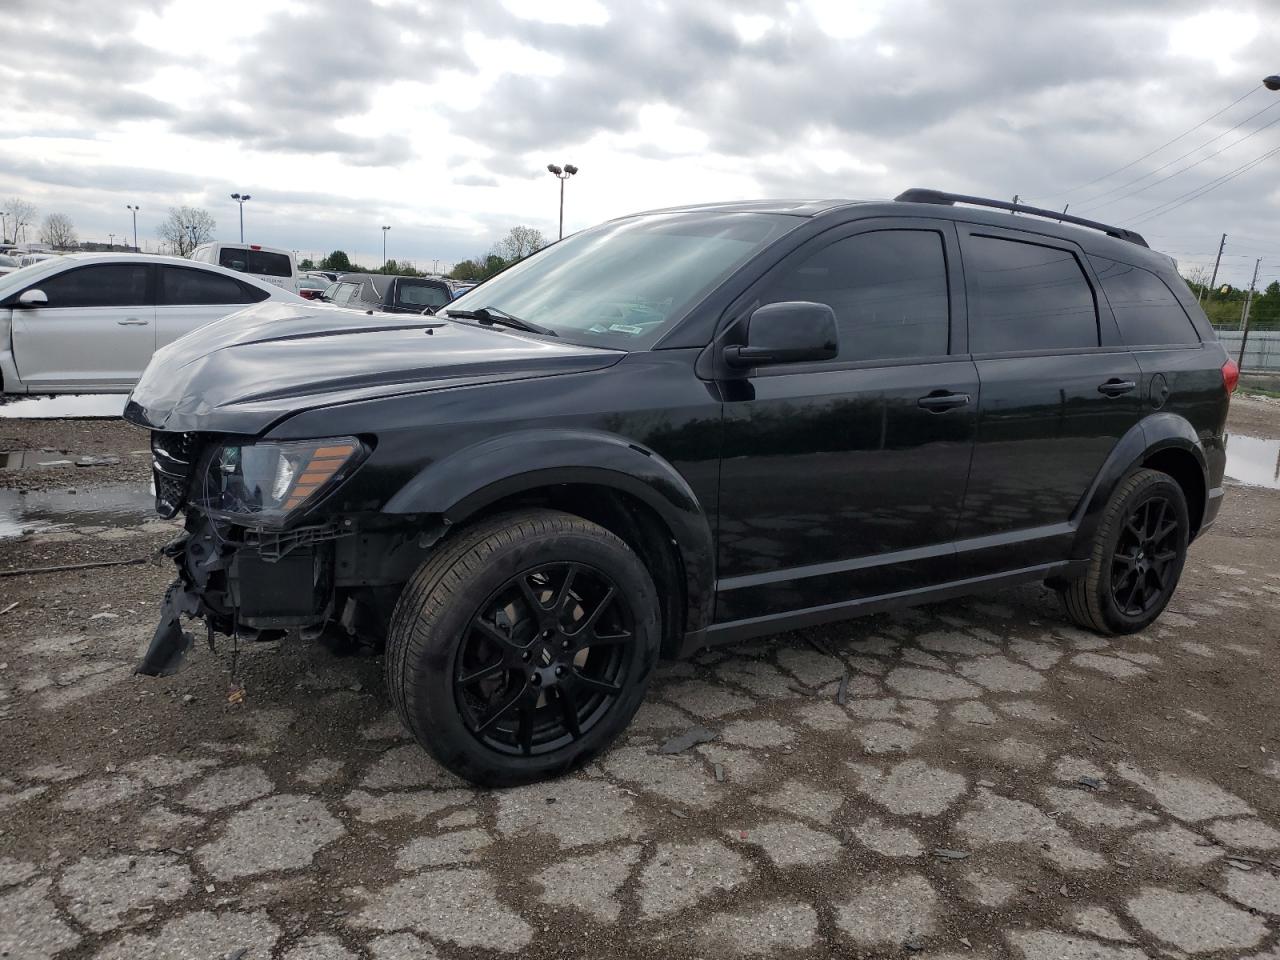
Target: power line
[(1163, 166), (1201, 190), (1250, 92)]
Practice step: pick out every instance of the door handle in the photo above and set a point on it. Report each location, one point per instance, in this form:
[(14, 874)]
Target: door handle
[(1115, 387), (133, 322), (941, 401)]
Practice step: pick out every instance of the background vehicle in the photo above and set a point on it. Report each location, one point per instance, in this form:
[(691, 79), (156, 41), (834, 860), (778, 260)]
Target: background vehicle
[(310, 288), (690, 427), (388, 293), (8, 264), (27, 259), (328, 276), (90, 321), (269, 264)]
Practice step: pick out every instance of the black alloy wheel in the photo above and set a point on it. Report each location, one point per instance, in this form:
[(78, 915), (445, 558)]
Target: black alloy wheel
[(523, 646), (1141, 566), (540, 660), (1135, 558)]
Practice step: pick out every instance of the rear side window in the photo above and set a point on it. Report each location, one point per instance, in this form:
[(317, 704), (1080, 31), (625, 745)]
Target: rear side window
[(1146, 310), (255, 261), (340, 292), (106, 285), (420, 295), (888, 290), (1027, 296), (179, 287)]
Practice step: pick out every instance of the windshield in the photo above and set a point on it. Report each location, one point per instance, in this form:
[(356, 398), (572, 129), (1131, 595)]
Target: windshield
[(627, 283)]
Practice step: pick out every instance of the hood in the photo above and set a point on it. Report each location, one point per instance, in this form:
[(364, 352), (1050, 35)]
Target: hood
[(247, 371)]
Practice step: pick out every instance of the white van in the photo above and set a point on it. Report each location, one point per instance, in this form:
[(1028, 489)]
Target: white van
[(268, 264)]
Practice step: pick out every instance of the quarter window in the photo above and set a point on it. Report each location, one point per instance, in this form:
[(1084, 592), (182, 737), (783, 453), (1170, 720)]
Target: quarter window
[(1145, 309), (888, 290), (104, 285), (1027, 296), (181, 287)]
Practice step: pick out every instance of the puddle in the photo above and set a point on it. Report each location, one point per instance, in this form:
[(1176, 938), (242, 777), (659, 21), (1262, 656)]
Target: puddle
[(65, 405), (1253, 462), (106, 505)]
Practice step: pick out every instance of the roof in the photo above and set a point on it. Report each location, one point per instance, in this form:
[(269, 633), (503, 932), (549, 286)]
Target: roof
[(794, 208)]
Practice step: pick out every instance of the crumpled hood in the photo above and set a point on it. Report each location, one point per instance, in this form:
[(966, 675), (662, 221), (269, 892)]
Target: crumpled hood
[(247, 371)]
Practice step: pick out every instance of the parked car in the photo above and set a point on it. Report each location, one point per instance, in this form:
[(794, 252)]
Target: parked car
[(27, 259), (388, 293), (8, 264), (269, 264), (89, 322), (310, 288), (460, 288), (685, 428), (329, 276)]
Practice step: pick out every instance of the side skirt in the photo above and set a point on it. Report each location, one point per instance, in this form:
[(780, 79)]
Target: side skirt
[(722, 633)]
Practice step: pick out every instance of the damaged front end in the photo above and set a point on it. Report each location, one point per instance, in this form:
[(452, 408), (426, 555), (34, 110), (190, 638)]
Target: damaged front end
[(242, 568)]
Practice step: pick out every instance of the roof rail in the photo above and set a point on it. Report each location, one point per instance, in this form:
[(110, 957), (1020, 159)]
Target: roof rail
[(921, 195)]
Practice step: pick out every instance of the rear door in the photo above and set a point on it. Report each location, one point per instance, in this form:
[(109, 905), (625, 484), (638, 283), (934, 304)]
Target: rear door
[(188, 297), (97, 330), (1058, 390), (844, 480)]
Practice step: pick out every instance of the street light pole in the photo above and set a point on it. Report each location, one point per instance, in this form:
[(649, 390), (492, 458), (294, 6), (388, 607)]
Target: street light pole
[(135, 209), (562, 174), (240, 198), (111, 241), (384, 247)]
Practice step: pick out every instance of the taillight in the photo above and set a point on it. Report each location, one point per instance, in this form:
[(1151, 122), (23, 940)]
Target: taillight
[(1230, 376)]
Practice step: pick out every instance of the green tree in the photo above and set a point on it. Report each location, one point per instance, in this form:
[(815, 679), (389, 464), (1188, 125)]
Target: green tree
[(305, 264), (519, 243), (338, 261)]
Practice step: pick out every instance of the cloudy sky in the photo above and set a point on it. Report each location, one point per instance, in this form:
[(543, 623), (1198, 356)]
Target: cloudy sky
[(438, 118)]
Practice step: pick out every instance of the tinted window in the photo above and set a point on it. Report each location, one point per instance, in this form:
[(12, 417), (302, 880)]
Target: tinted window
[(1146, 310), (255, 261), (107, 285), (888, 290), (193, 287), (420, 295), (1024, 296)]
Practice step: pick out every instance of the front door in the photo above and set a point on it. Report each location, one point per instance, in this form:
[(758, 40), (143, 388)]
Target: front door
[(187, 298), (96, 332), (1058, 392), (844, 480)]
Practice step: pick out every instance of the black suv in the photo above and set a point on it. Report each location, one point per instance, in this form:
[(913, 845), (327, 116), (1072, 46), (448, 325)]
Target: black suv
[(683, 428)]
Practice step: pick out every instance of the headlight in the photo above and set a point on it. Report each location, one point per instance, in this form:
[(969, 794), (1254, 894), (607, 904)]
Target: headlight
[(265, 482)]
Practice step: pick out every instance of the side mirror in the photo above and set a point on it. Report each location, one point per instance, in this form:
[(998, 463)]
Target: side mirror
[(795, 331), (33, 298)]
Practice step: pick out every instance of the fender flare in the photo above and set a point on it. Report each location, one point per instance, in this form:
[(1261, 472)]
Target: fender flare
[(1152, 434), (472, 478)]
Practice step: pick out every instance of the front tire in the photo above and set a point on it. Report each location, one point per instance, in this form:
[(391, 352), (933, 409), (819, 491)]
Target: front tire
[(1137, 557), (523, 647)]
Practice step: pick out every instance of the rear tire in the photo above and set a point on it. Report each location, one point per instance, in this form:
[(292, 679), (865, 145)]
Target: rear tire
[(523, 647), (1137, 557)]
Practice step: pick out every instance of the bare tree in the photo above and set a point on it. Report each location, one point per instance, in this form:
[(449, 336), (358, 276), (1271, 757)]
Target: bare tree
[(186, 228), (1197, 277), (519, 243), (19, 214), (58, 232)]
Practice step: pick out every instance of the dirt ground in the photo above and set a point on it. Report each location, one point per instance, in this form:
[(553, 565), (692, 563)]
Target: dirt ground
[(997, 783)]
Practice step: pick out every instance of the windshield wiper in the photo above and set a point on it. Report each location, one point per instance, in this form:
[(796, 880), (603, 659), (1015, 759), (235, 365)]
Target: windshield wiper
[(494, 317)]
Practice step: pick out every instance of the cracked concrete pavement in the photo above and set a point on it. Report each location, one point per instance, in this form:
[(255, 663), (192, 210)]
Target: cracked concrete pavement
[(996, 784)]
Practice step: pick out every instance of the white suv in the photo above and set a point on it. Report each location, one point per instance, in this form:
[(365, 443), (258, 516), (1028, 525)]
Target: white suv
[(89, 322), (269, 264)]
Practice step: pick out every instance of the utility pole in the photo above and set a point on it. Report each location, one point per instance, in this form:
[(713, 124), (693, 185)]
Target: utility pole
[(1244, 317), (384, 247), (135, 209), (1214, 279)]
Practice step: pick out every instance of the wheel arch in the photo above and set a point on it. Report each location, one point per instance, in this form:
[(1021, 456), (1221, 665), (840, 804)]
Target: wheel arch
[(1163, 441), (619, 484)]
